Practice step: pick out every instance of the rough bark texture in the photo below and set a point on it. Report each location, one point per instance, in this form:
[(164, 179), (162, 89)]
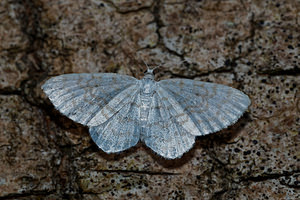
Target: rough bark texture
[(249, 45)]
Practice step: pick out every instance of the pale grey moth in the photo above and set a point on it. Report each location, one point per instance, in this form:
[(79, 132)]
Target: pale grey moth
[(166, 115)]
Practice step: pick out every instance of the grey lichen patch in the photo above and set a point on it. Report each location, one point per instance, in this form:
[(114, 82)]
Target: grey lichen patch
[(269, 189), (151, 39), (13, 43), (276, 50), (193, 31), (275, 13), (273, 95), (292, 181), (77, 36), (12, 37), (13, 70), (27, 154), (108, 184)]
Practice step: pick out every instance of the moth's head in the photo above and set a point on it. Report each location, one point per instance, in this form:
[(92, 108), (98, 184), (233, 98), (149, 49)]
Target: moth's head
[(149, 73)]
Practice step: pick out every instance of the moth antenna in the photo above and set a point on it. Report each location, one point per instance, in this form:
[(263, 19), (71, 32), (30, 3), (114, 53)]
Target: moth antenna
[(145, 64), (156, 67)]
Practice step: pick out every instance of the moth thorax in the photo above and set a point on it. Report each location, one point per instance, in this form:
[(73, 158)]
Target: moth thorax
[(147, 86), (149, 76)]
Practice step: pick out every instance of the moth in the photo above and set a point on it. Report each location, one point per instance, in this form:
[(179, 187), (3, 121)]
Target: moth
[(166, 115)]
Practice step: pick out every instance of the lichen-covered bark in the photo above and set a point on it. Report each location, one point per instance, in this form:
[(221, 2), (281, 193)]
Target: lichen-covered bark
[(249, 45)]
